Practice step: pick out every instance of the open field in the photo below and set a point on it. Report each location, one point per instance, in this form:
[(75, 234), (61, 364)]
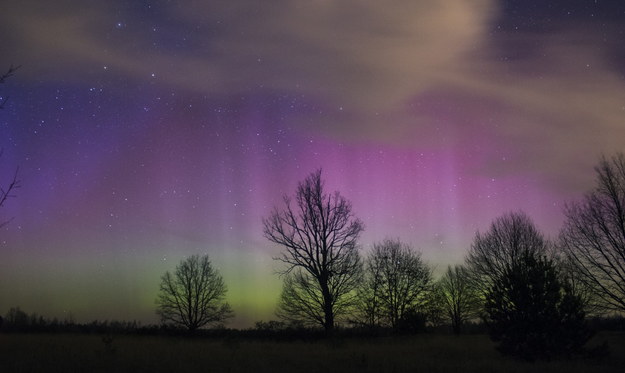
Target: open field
[(422, 353)]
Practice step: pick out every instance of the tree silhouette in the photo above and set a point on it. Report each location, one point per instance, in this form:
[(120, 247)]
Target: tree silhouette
[(323, 266), (369, 310), (531, 313), (397, 282), (17, 319), (593, 236), (193, 296), (457, 298), (509, 238)]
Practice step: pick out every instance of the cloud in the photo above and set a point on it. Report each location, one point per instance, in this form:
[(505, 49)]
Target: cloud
[(563, 106), (409, 73), (366, 54)]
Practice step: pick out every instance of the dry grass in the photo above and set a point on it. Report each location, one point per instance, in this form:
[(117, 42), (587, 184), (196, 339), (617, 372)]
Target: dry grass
[(423, 353)]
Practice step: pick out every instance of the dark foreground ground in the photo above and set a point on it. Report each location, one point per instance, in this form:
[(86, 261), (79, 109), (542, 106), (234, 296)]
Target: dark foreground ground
[(421, 353)]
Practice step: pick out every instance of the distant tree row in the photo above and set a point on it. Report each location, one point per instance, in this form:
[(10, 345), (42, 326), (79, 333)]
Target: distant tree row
[(532, 293), (16, 320), (326, 281)]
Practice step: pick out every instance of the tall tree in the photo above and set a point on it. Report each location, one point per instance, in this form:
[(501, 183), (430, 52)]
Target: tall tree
[(397, 281), (192, 297), (509, 238), (319, 234), (593, 236), (458, 298)]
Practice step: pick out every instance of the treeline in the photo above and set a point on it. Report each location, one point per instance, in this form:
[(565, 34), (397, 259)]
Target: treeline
[(533, 295), (18, 321)]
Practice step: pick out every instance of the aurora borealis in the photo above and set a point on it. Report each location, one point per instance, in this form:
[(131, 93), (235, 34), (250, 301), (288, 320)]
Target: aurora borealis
[(147, 131)]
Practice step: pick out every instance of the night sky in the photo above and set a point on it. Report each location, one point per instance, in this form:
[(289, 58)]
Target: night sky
[(147, 131)]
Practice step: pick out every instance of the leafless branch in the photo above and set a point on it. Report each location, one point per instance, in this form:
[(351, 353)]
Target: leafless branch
[(509, 238), (593, 237), (8, 191)]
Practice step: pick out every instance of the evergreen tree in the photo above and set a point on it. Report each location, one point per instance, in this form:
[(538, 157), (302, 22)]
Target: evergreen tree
[(532, 313)]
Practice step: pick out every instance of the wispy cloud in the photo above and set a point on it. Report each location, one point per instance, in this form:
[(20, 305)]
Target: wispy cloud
[(366, 64)]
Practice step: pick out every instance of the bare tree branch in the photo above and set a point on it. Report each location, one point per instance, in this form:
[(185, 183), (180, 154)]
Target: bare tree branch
[(8, 191), (593, 237), (509, 238)]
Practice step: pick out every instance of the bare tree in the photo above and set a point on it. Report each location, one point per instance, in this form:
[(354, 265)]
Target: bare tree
[(193, 296), (398, 281), (323, 266), (593, 236), (459, 299), (509, 238)]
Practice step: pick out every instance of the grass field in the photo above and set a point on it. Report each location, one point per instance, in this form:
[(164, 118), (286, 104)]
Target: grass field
[(422, 353)]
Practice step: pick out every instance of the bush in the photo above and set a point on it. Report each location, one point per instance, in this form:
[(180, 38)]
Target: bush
[(411, 322)]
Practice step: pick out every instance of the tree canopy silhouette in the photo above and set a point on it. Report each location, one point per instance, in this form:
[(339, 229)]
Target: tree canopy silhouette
[(457, 298), (593, 236), (192, 297), (397, 282), (509, 238), (319, 234), (531, 313)]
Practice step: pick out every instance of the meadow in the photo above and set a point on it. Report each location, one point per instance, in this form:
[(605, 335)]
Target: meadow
[(420, 353)]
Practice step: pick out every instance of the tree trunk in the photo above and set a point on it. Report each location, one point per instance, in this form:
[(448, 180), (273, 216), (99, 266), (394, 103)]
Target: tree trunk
[(456, 320), (456, 326), (328, 308)]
